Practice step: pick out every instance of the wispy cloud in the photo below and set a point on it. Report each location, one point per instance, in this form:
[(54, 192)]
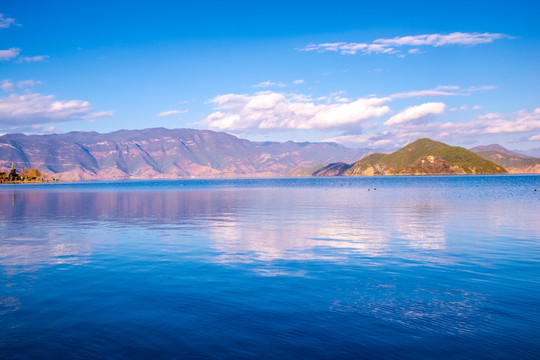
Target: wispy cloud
[(390, 46), (442, 90), (6, 22), (298, 82), (12, 53), (172, 112), (456, 38), (27, 83), (6, 85), (29, 59), (98, 115), (6, 55), (268, 83)]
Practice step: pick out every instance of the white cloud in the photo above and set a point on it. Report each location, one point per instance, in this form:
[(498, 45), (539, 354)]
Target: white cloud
[(484, 125), (98, 115), (268, 110), (269, 83), (9, 54), (415, 113), (298, 82), (388, 46), (274, 111), (37, 58), (172, 112), (489, 124), (492, 124), (476, 107), (6, 22), (28, 109), (6, 85)]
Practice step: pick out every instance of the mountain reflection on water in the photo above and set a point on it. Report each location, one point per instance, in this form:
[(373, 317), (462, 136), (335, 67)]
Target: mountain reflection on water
[(253, 224), (242, 225), (283, 268)]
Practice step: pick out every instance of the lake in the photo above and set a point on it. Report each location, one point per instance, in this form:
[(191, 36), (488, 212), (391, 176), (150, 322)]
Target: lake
[(307, 268)]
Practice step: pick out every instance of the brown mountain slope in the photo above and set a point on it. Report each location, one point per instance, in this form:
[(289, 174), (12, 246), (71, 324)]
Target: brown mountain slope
[(163, 153), (514, 162)]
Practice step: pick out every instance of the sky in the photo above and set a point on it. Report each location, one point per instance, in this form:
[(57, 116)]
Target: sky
[(361, 73)]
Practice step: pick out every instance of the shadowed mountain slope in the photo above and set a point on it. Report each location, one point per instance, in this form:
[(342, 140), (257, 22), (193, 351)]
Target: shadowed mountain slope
[(335, 169)]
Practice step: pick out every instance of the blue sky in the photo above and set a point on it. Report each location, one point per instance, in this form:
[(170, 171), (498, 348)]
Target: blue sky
[(358, 73)]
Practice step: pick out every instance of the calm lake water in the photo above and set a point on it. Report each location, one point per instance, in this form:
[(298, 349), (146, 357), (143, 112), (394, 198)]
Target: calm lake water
[(332, 268)]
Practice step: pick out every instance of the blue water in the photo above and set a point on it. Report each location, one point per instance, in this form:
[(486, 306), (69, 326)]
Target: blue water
[(326, 268)]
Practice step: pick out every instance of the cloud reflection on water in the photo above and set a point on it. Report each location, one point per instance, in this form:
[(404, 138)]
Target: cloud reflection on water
[(240, 224)]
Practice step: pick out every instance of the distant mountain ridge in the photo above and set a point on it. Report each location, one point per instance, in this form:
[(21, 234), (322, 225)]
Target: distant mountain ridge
[(164, 153), (515, 163), (422, 157), (497, 148), (533, 152)]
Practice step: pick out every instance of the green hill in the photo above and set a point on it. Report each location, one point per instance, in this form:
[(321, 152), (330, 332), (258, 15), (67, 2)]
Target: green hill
[(425, 157)]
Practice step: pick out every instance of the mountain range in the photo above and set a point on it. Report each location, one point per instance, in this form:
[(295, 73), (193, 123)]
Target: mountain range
[(160, 153)]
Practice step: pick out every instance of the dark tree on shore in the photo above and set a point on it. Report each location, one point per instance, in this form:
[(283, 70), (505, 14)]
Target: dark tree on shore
[(13, 176)]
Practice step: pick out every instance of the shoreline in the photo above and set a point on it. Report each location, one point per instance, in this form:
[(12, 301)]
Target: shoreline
[(225, 179)]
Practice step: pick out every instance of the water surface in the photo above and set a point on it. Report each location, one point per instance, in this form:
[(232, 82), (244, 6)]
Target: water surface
[(382, 267)]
